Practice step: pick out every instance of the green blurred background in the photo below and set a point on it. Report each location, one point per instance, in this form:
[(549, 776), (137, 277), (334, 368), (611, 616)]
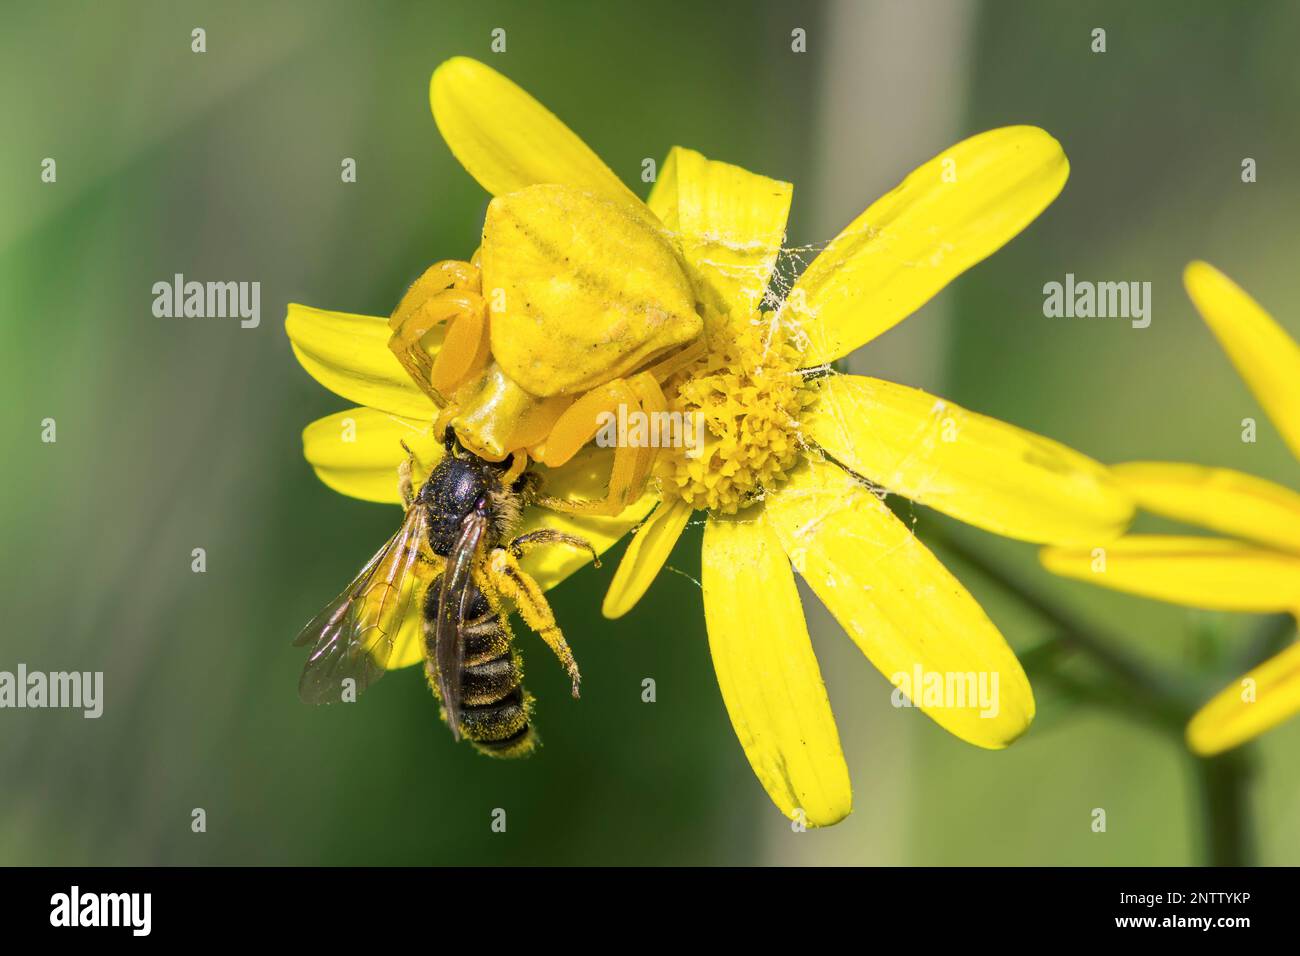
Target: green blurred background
[(177, 434)]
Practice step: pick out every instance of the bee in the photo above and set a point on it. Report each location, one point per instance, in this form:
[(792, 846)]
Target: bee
[(454, 559)]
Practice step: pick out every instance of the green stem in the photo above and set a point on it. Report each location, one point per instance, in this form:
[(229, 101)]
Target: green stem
[(1223, 782)]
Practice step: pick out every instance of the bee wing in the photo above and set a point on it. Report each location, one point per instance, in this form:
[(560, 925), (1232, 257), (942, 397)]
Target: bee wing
[(453, 600), (353, 636)]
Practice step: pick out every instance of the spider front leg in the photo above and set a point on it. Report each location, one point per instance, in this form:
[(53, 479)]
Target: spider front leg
[(446, 293), (465, 348), (515, 584), (632, 461)]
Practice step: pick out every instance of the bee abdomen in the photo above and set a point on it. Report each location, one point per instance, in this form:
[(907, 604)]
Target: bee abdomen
[(495, 713), (500, 728), (488, 682), (495, 708), (486, 640)]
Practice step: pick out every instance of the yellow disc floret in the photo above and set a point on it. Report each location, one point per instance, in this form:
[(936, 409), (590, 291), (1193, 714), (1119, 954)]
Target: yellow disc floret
[(749, 392)]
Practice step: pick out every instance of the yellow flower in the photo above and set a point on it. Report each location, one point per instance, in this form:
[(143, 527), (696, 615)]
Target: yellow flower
[(774, 426), (1257, 569), (779, 426)]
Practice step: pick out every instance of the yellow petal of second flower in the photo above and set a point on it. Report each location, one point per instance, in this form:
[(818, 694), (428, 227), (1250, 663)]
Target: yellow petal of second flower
[(1265, 356), (730, 222), (1258, 701), (977, 469), (349, 355), (949, 214), (1227, 501), (900, 605), (506, 139), (1211, 573), (768, 674)]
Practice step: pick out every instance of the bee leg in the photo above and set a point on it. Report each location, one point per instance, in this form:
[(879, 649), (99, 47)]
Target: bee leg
[(406, 471), (405, 487), (526, 542), (512, 582)]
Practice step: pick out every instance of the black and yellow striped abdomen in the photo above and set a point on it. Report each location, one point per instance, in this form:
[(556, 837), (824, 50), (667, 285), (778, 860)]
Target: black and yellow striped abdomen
[(495, 708)]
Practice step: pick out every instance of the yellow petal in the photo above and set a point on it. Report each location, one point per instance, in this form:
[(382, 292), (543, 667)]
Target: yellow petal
[(1211, 573), (977, 469), (408, 645), (356, 452), (1228, 501), (645, 555), (1265, 356), (730, 222), (349, 355), (956, 210), (768, 674), (506, 139), (901, 606), (1243, 710)]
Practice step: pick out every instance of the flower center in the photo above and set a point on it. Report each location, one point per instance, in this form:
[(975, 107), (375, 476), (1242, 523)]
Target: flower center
[(750, 393)]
